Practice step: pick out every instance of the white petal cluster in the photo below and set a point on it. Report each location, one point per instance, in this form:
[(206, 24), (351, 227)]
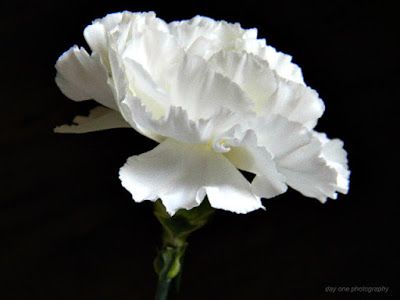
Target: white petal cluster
[(216, 98)]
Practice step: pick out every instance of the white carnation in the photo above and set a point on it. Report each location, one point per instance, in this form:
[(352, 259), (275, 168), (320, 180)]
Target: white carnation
[(216, 98)]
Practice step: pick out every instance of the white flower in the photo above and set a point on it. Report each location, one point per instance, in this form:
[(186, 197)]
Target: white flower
[(216, 98)]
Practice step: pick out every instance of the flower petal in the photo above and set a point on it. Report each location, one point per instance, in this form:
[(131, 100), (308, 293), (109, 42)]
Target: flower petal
[(248, 156), (156, 51), (100, 118), (203, 47), (336, 157), (296, 102), (193, 33), (270, 92), (201, 91), (182, 174), (310, 171), (279, 135), (109, 38), (121, 25), (176, 123), (141, 84), (278, 61), (96, 34), (251, 73), (188, 31), (82, 77)]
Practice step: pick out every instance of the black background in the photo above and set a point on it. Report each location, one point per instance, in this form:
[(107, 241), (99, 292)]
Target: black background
[(70, 231)]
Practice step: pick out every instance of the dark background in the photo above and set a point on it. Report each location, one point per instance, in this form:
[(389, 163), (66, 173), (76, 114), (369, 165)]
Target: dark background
[(68, 230)]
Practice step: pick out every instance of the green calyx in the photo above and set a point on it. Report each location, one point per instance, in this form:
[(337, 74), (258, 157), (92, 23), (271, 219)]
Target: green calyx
[(176, 230)]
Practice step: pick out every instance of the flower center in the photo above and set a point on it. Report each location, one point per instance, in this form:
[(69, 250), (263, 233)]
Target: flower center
[(221, 145)]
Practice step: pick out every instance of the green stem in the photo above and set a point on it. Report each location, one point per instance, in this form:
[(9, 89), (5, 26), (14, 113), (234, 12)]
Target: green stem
[(162, 290), (168, 263), (176, 230)]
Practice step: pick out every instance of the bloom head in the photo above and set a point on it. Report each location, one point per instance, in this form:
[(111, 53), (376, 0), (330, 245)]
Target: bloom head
[(216, 98)]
